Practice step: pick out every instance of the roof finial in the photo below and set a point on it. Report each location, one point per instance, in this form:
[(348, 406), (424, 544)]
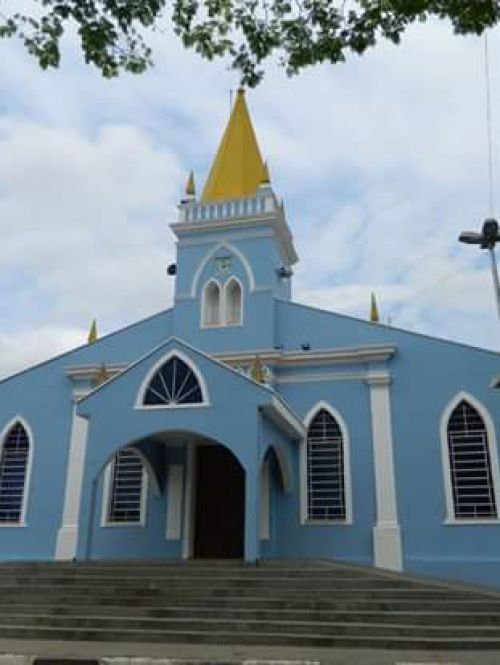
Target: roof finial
[(190, 186), (374, 317), (265, 178), (257, 371), (92, 336)]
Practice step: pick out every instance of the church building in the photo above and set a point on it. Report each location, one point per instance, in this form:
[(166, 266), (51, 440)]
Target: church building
[(240, 424)]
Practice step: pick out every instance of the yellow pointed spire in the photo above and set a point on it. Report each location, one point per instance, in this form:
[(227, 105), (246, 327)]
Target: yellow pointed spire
[(374, 317), (238, 167), (190, 186), (92, 337)]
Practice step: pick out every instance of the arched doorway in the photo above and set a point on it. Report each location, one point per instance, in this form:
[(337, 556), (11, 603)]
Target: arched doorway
[(219, 513)]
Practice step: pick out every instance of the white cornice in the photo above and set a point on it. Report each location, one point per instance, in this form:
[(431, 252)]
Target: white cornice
[(357, 354), (275, 219), (92, 372)]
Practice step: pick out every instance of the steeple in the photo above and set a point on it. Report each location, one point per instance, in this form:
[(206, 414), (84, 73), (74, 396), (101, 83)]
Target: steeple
[(238, 169)]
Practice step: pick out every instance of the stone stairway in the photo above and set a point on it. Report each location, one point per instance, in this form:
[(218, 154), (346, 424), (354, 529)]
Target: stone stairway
[(318, 604)]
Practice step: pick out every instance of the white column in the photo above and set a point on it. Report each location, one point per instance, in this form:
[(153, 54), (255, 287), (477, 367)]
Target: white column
[(174, 501), (265, 501), (189, 500), (386, 533), (67, 536)]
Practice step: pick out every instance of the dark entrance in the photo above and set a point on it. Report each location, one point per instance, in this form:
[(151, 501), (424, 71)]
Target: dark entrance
[(220, 504)]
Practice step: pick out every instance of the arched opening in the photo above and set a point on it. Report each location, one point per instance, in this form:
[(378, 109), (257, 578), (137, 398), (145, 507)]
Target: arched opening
[(470, 464), (14, 462), (211, 304), (233, 297), (219, 504)]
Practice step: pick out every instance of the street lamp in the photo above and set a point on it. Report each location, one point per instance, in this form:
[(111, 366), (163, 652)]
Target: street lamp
[(487, 239)]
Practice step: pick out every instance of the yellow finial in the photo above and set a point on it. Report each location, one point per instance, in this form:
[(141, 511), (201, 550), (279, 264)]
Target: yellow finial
[(190, 186), (265, 178), (92, 337), (374, 317), (101, 376), (257, 371), (238, 167)]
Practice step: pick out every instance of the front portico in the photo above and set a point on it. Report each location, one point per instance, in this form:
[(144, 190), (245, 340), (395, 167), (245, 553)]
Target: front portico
[(202, 431)]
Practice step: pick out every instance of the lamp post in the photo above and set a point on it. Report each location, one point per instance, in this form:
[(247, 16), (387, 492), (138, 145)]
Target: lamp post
[(487, 239)]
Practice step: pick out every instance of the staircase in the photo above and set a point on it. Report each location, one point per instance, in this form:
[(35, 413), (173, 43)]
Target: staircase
[(317, 604)]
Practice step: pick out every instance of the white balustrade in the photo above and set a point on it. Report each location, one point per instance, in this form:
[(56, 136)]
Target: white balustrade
[(193, 212)]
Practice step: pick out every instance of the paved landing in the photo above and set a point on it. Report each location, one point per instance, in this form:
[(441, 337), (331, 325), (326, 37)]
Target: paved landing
[(22, 652)]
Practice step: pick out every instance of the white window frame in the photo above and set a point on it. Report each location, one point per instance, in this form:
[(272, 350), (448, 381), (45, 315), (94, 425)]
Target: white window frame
[(27, 477), (225, 307), (450, 518), (304, 519), (139, 403), (204, 304), (106, 493)]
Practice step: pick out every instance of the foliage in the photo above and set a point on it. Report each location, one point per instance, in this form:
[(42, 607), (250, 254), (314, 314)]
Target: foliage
[(113, 33)]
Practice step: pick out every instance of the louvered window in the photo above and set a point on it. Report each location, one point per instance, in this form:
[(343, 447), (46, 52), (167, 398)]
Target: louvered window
[(470, 464), (126, 488), (13, 468), (175, 383), (326, 499)]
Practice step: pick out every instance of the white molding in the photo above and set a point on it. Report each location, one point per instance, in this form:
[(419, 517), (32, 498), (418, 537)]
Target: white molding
[(386, 533), (203, 308), (346, 355), (29, 465), (175, 489), (189, 501), (92, 371), (284, 467), (325, 376), (106, 492), (139, 402), (225, 307), (304, 519), (284, 417), (265, 501), (235, 236), (230, 248), (67, 537), (450, 518)]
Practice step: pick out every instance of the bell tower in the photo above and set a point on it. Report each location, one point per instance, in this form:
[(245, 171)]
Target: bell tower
[(235, 250)]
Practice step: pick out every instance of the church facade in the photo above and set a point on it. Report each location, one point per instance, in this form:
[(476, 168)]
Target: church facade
[(239, 424)]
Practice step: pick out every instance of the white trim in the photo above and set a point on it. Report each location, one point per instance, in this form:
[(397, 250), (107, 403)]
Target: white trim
[(225, 307), (189, 501), (284, 467), (265, 501), (304, 520), (203, 309), (139, 403), (106, 493), (230, 248), (175, 489), (346, 355), (282, 416), (67, 537), (386, 533), (325, 376), (243, 235), (29, 466), (450, 518)]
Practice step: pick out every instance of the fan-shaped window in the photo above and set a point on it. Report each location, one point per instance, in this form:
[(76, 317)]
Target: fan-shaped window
[(233, 298), (326, 496), (173, 384), (211, 304), (126, 489), (470, 464), (13, 470)]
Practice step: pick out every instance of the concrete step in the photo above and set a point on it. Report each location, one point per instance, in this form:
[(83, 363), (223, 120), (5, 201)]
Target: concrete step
[(231, 637)]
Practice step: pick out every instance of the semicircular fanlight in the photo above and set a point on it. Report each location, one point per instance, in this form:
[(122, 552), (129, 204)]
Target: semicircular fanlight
[(173, 384)]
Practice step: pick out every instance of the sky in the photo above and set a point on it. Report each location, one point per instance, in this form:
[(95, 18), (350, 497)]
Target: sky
[(381, 161)]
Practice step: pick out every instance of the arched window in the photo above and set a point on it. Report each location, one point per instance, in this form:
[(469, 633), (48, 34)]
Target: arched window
[(211, 304), (233, 302), (173, 384), (125, 489), (326, 492), (15, 451), (470, 464)]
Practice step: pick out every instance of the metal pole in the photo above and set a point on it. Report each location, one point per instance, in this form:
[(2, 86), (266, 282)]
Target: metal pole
[(494, 273)]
